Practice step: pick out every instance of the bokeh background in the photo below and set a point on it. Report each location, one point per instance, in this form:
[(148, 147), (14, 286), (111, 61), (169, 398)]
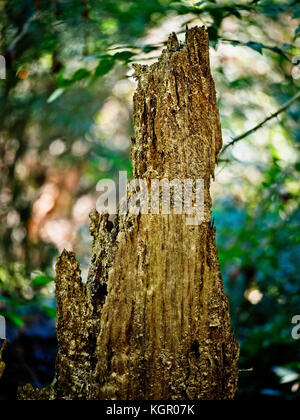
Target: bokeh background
[(66, 108)]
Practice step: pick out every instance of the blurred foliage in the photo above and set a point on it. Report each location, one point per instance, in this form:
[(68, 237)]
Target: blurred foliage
[(66, 123), (259, 247)]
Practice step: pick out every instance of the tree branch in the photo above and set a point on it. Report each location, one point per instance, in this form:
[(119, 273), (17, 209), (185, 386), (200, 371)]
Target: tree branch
[(12, 47), (261, 124)]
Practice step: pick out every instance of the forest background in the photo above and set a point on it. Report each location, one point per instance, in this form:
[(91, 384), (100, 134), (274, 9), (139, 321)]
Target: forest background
[(66, 123)]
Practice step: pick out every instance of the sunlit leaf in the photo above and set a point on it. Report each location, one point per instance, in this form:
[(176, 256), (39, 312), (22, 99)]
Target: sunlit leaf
[(286, 375), (55, 95)]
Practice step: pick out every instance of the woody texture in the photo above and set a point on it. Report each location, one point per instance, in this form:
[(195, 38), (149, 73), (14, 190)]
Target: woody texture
[(152, 321)]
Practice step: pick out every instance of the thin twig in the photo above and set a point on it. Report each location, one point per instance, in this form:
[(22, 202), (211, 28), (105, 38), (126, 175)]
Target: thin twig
[(261, 124), (23, 32), (246, 370)]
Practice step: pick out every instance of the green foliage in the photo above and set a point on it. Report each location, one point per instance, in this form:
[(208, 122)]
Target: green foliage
[(64, 61), (50, 311), (105, 65), (259, 250), (41, 281)]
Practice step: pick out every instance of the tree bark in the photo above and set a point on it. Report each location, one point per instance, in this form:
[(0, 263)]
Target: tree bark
[(152, 322), (2, 364)]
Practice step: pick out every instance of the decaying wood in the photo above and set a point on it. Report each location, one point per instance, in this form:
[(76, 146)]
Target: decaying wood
[(152, 322), (2, 364)]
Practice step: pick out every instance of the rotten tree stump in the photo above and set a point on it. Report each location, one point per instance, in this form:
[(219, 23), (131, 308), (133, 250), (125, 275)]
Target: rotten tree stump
[(152, 322)]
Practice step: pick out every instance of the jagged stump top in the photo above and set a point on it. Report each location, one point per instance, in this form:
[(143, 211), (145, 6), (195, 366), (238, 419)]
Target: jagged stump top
[(176, 120)]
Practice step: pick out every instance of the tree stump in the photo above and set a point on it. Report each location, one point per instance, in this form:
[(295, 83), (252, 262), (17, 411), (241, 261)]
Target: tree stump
[(153, 322)]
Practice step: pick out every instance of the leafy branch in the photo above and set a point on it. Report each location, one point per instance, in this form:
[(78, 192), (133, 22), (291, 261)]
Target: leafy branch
[(258, 46), (262, 123)]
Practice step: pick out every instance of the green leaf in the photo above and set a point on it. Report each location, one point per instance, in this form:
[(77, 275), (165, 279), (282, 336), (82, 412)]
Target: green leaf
[(80, 74), (257, 46), (124, 56), (199, 3), (213, 33), (286, 47), (271, 10), (16, 319), (296, 14), (41, 281), (62, 82), (105, 66), (149, 48), (51, 312), (10, 301), (55, 95), (297, 32)]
